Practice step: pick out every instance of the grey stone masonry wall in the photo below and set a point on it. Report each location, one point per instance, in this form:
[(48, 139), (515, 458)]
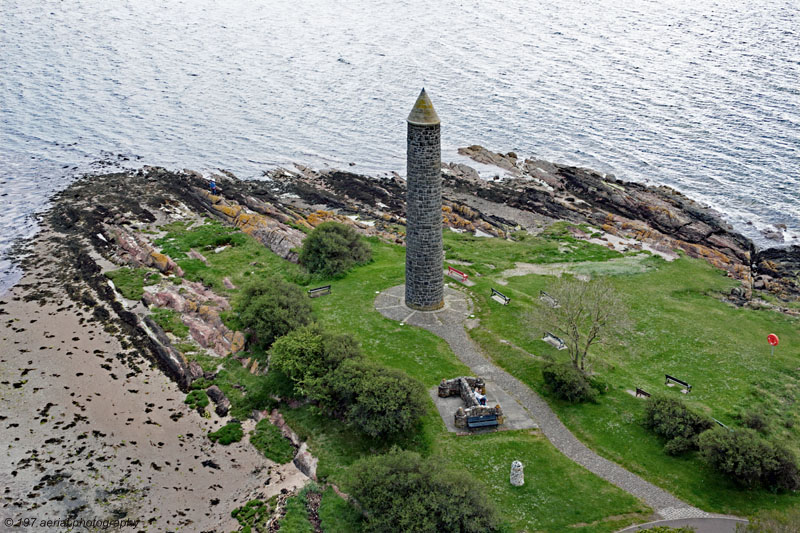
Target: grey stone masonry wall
[(424, 251)]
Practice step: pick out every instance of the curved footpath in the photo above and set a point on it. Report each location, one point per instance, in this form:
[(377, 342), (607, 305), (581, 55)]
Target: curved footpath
[(448, 323)]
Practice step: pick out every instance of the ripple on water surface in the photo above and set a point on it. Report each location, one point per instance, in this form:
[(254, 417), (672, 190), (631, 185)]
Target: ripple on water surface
[(699, 95)]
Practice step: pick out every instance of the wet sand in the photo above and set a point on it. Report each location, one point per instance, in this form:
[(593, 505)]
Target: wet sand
[(91, 429)]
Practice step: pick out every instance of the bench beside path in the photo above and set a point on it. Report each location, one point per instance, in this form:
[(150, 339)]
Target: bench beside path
[(449, 322)]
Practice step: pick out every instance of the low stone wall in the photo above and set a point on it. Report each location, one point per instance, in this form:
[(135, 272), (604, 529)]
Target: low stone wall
[(453, 387), (464, 387)]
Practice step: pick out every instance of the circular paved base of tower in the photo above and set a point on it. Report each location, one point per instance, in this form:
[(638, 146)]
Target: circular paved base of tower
[(434, 307), (392, 304)]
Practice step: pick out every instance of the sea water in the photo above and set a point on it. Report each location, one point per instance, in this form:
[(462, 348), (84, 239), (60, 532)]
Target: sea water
[(699, 95)]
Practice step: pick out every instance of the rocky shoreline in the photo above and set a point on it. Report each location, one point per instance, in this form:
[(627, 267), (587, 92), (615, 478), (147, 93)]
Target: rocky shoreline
[(102, 223), (534, 193)]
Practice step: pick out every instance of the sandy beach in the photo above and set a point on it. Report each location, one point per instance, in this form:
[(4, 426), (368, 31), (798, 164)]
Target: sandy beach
[(91, 429)]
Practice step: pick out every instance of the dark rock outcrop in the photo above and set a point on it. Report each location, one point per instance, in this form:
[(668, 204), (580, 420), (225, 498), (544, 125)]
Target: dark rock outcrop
[(219, 399), (167, 356), (778, 269)]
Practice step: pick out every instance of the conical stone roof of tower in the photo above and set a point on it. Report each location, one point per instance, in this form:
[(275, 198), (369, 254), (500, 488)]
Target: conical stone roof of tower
[(423, 113)]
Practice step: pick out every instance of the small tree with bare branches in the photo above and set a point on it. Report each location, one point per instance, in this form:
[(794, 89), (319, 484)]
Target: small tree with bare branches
[(582, 314)]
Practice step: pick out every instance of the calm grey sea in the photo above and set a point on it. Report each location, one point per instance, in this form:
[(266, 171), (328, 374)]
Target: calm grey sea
[(700, 95)]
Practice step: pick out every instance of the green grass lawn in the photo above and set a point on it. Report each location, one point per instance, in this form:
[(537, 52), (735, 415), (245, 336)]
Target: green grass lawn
[(555, 245), (296, 518), (336, 515), (682, 329), (240, 257), (549, 502), (583, 501), (130, 282)]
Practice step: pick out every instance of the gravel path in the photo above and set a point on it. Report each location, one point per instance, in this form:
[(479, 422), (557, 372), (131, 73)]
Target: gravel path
[(449, 322)]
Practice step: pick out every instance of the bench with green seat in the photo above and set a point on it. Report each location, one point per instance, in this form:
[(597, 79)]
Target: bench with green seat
[(485, 421)]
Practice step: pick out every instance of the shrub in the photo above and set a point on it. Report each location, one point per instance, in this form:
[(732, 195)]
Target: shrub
[(252, 516), (750, 460), (197, 399), (329, 369), (332, 249), (672, 419), (377, 400), (271, 308), (308, 356), (568, 383), (227, 434), (781, 470), (400, 491), (269, 440), (598, 384), (774, 521), (756, 420)]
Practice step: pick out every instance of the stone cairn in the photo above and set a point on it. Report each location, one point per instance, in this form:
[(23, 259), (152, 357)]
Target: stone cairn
[(464, 387), (424, 249), (517, 474)]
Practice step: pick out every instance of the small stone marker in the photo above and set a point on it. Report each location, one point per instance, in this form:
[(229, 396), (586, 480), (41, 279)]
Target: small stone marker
[(517, 475)]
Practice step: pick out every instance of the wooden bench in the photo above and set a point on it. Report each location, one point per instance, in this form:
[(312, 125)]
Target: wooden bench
[(678, 381), (554, 341), (484, 421), (319, 291), (453, 273), (498, 296), (640, 392), (721, 424), (549, 300)]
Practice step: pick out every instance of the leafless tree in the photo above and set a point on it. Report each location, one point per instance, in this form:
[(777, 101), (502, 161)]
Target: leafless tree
[(582, 314)]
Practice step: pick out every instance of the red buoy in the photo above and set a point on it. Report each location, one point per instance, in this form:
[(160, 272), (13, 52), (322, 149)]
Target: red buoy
[(772, 339)]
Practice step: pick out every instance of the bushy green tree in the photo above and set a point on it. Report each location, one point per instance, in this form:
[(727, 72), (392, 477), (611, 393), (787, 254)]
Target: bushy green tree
[(673, 420), (309, 356), (401, 491), (332, 249), (568, 383), (750, 460), (271, 308), (378, 400)]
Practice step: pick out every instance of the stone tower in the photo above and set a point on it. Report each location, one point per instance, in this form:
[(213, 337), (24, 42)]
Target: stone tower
[(424, 255)]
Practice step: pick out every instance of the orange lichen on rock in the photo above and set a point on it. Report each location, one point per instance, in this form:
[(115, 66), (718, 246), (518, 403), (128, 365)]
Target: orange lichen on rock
[(318, 217), (237, 342), (140, 252), (274, 234)]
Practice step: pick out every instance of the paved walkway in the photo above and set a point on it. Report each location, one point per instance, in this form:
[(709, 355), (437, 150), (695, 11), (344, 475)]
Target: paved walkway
[(448, 323), (713, 524)]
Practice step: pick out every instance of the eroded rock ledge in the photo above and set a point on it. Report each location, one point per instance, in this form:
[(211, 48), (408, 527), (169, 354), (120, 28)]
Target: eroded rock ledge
[(97, 223), (535, 192)]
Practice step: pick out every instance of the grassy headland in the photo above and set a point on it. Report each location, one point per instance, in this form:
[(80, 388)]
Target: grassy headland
[(543, 503), (681, 328)]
